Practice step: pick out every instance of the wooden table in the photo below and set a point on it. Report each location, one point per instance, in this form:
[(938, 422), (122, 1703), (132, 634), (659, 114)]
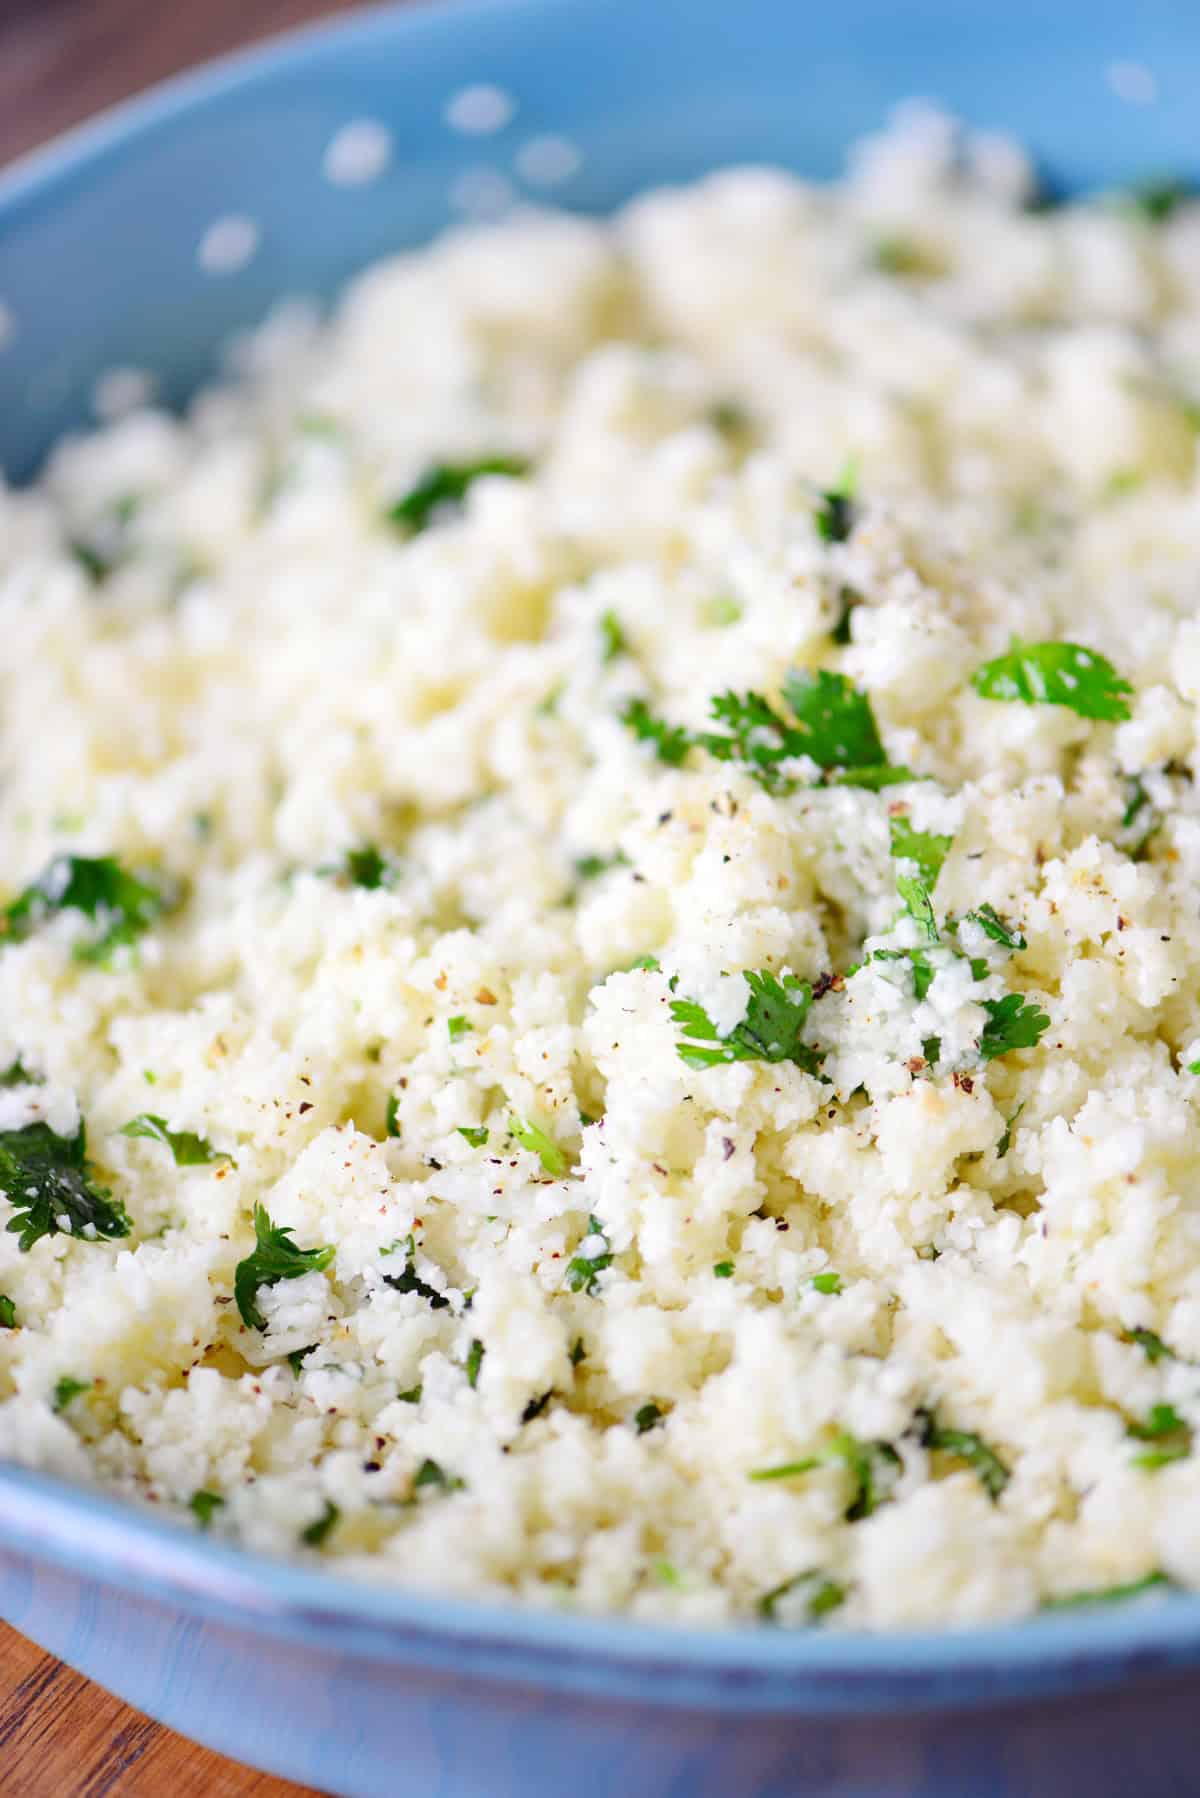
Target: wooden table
[(61, 1736)]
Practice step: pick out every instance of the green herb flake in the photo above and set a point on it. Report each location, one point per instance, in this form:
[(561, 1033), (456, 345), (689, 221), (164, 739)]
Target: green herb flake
[(834, 720), (578, 1352), (367, 866), (475, 1356), (924, 848), (67, 1389), (812, 1595), (411, 1397), (834, 517), (647, 1417), (532, 1137), (646, 964), (410, 1281), (444, 485), (48, 1182), (874, 1468), (1056, 674), (830, 1284), (918, 905), (8, 1313), (1150, 1582), (848, 600), (671, 742), (430, 1474), (770, 1031), (393, 1114), (720, 612), (966, 1446), (1171, 1433), (203, 1504), (1158, 198), (722, 1270), (188, 1149), (583, 1270), (315, 1534), (993, 925), (298, 1357), (17, 1074), (1005, 1142), (613, 642), (1013, 1022), (476, 1135), (590, 867), (121, 905), (1151, 1345), (274, 1257), (457, 1028)]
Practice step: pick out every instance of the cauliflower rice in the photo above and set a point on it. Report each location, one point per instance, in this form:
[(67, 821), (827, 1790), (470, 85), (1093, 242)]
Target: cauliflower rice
[(348, 880)]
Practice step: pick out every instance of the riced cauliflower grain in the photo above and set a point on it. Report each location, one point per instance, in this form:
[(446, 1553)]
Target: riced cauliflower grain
[(481, 1115)]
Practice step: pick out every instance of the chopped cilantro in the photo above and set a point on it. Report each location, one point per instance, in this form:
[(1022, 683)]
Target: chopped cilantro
[(834, 719), (298, 1357), (648, 964), (770, 1031), (67, 1389), (787, 1470), (1005, 1142), (918, 961), (848, 600), (830, 1284), (1014, 1022), (931, 1049), (590, 867), (8, 1313), (813, 1594), (1109, 1594), (393, 1114), (536, 1406), (188, 1149), (918, 905), (445, 484), (926, 849), (993, 925), (367, 866), (476, 1135), (1152, 1345), (723, 1270), (475, 1356), (578, 1352), (121, 905), (317, 1531), (17, 1074), (411, 1397), (582, 1269), (721, 611), (671, 741), (612, 637), (430, 1473), (834, 517), (1156, 199), (1056, 674), (647, 1417), (457, 1028), (274, 1257), (966, 1446), (47, 1178), (874, 1468), (729, 418), (1171, 1432), (532, 1137), (203, 1504), (547, 707), (410, 1281), (666, 1574)]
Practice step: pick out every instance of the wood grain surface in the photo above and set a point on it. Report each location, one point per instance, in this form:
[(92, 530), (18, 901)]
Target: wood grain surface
[(60, 60)]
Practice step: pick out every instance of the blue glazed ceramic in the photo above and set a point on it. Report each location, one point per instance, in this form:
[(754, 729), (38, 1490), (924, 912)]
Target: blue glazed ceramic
[(142, 242)]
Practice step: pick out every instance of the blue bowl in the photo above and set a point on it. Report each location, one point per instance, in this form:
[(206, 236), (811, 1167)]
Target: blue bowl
[(141, 243)]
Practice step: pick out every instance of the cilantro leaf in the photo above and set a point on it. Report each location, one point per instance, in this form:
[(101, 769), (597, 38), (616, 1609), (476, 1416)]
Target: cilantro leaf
[(874, 1468), (830, 1284), (317, 1531), (17, 1074), (814, 1593), (756, 735), (532, 1137), (834, 720), (1171, 1432), (203, 1504), (671, 741), (475, 1356), (1109, 1594), (367, 866), (590, 867), (47, 1178), (476, 1135), (918, 905), (834, 517), (647, 1417), (188, 1149), (8, 1313), (120, 904), (1151, 1345), (923, 847), (410, 1281), (993, 925), (582, 1270), (536, 1406), (274, 1257), (66, 1389), (431, 1473), (457, 1028), (770, 1030), (612, 638), (966, 1446), (1005, 1142), (445, 484), (1014, 1022), (722, 1270), (1056, 674)]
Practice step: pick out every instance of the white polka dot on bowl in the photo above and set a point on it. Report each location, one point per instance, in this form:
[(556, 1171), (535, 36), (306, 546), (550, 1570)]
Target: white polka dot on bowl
[(228, 244), (547, 161), (478, 111), (482, 193), (358, 154), (1132, 82)]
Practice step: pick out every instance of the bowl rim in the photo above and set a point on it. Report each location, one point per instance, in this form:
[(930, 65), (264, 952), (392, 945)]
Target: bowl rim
[(120, 1544)]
